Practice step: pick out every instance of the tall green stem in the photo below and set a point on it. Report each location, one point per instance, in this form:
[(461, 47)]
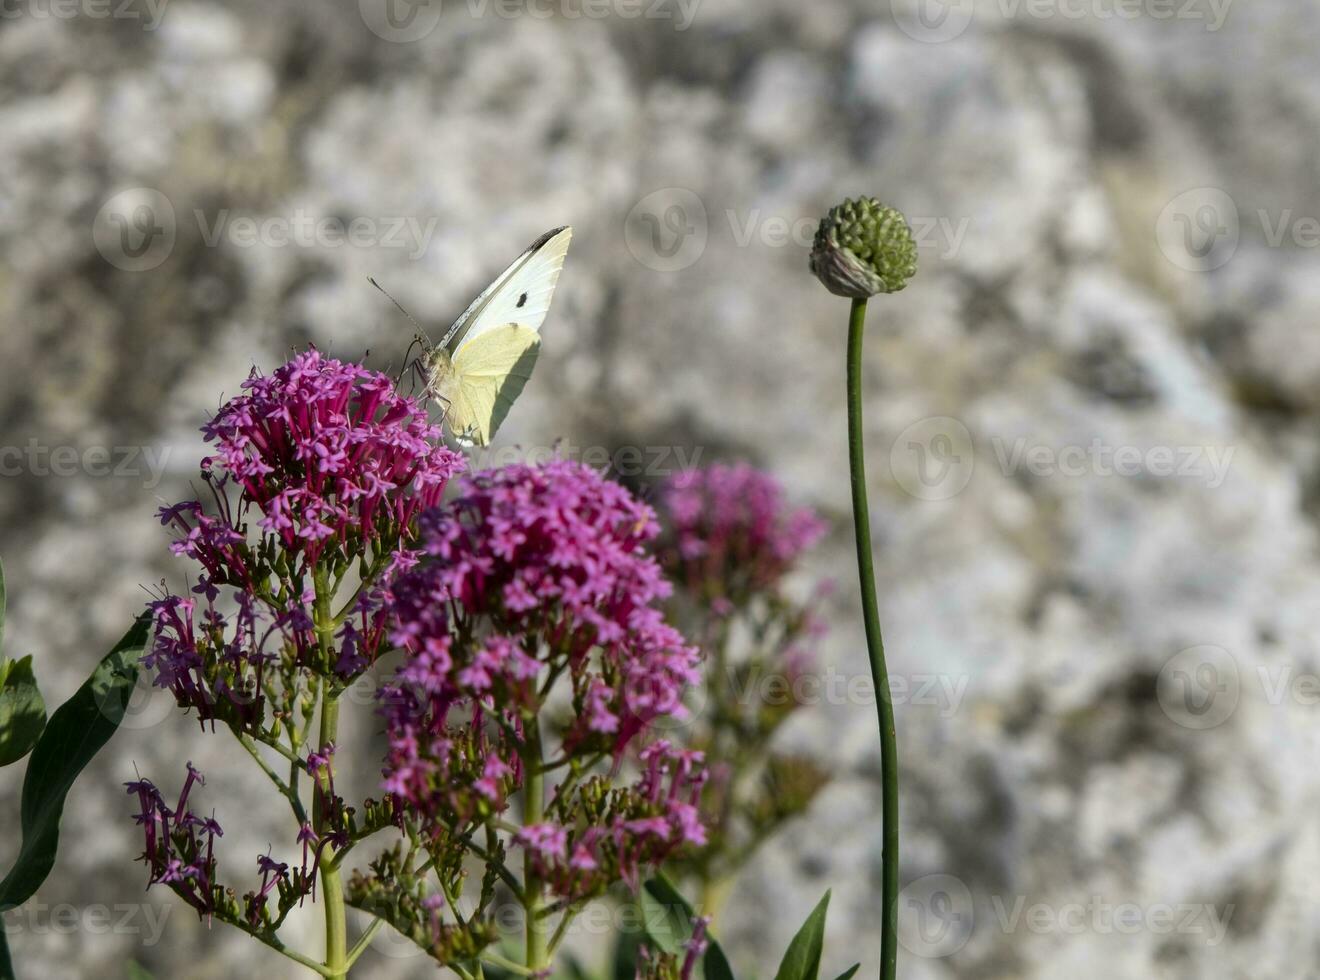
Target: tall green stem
[(336, 922), (537, 956), (875, 646)]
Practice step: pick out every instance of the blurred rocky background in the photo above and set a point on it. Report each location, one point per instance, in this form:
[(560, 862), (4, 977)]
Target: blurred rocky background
[(1092, 416)]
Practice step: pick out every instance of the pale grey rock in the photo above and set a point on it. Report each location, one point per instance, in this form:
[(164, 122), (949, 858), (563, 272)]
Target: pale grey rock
[(1048, 601)]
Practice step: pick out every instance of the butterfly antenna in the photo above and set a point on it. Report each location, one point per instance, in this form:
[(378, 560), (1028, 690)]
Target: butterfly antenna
[(421, 333), (408, 360)]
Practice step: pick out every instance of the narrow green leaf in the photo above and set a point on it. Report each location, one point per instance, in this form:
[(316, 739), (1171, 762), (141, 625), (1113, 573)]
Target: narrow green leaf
[(22, 710), (848, 973), (716, 964), (6, 965), (77, 731), (625, 955), (574, 968), (2, 607), (667, 923), (664, 903), (802, 961)]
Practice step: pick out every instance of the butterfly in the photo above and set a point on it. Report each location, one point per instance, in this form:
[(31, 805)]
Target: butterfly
[(484, 359)]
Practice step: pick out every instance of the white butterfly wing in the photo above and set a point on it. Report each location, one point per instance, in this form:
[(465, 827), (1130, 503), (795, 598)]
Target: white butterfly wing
[(520, 295), (488, 376)]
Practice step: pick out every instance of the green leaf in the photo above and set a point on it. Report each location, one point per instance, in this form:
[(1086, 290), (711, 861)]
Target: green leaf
[(802, 961), (6, 965), (2, 607), (848, 973), (22, 710), (667, 918), (666, 922), (136, 972), (625, 955), (77, 731), (716, 964), (575, 969)]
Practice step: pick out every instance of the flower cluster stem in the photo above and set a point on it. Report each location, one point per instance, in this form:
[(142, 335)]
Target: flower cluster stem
[(336, 920), (336, 923), (875, 647), (537, 957)]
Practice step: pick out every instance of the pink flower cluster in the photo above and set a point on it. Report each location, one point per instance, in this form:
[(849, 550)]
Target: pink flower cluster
[(332, 466), (541, 565), (535, 573), (180, 851), (639, 828), (328, 453), (180, 846), (731, 533)]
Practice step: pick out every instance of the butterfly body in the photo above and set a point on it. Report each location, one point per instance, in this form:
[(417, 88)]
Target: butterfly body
[(486, 357)]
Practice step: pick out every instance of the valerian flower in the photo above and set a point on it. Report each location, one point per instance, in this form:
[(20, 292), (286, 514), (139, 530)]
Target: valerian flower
[(318, 475), (180, 852), (730, 536), (538, 575), (731, 542), (602, 835)]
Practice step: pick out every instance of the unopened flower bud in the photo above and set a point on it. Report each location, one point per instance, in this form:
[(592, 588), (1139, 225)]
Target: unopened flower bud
[(863, 248)]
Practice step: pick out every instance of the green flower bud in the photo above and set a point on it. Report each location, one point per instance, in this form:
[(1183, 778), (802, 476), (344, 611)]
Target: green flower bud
[(863, 248)]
